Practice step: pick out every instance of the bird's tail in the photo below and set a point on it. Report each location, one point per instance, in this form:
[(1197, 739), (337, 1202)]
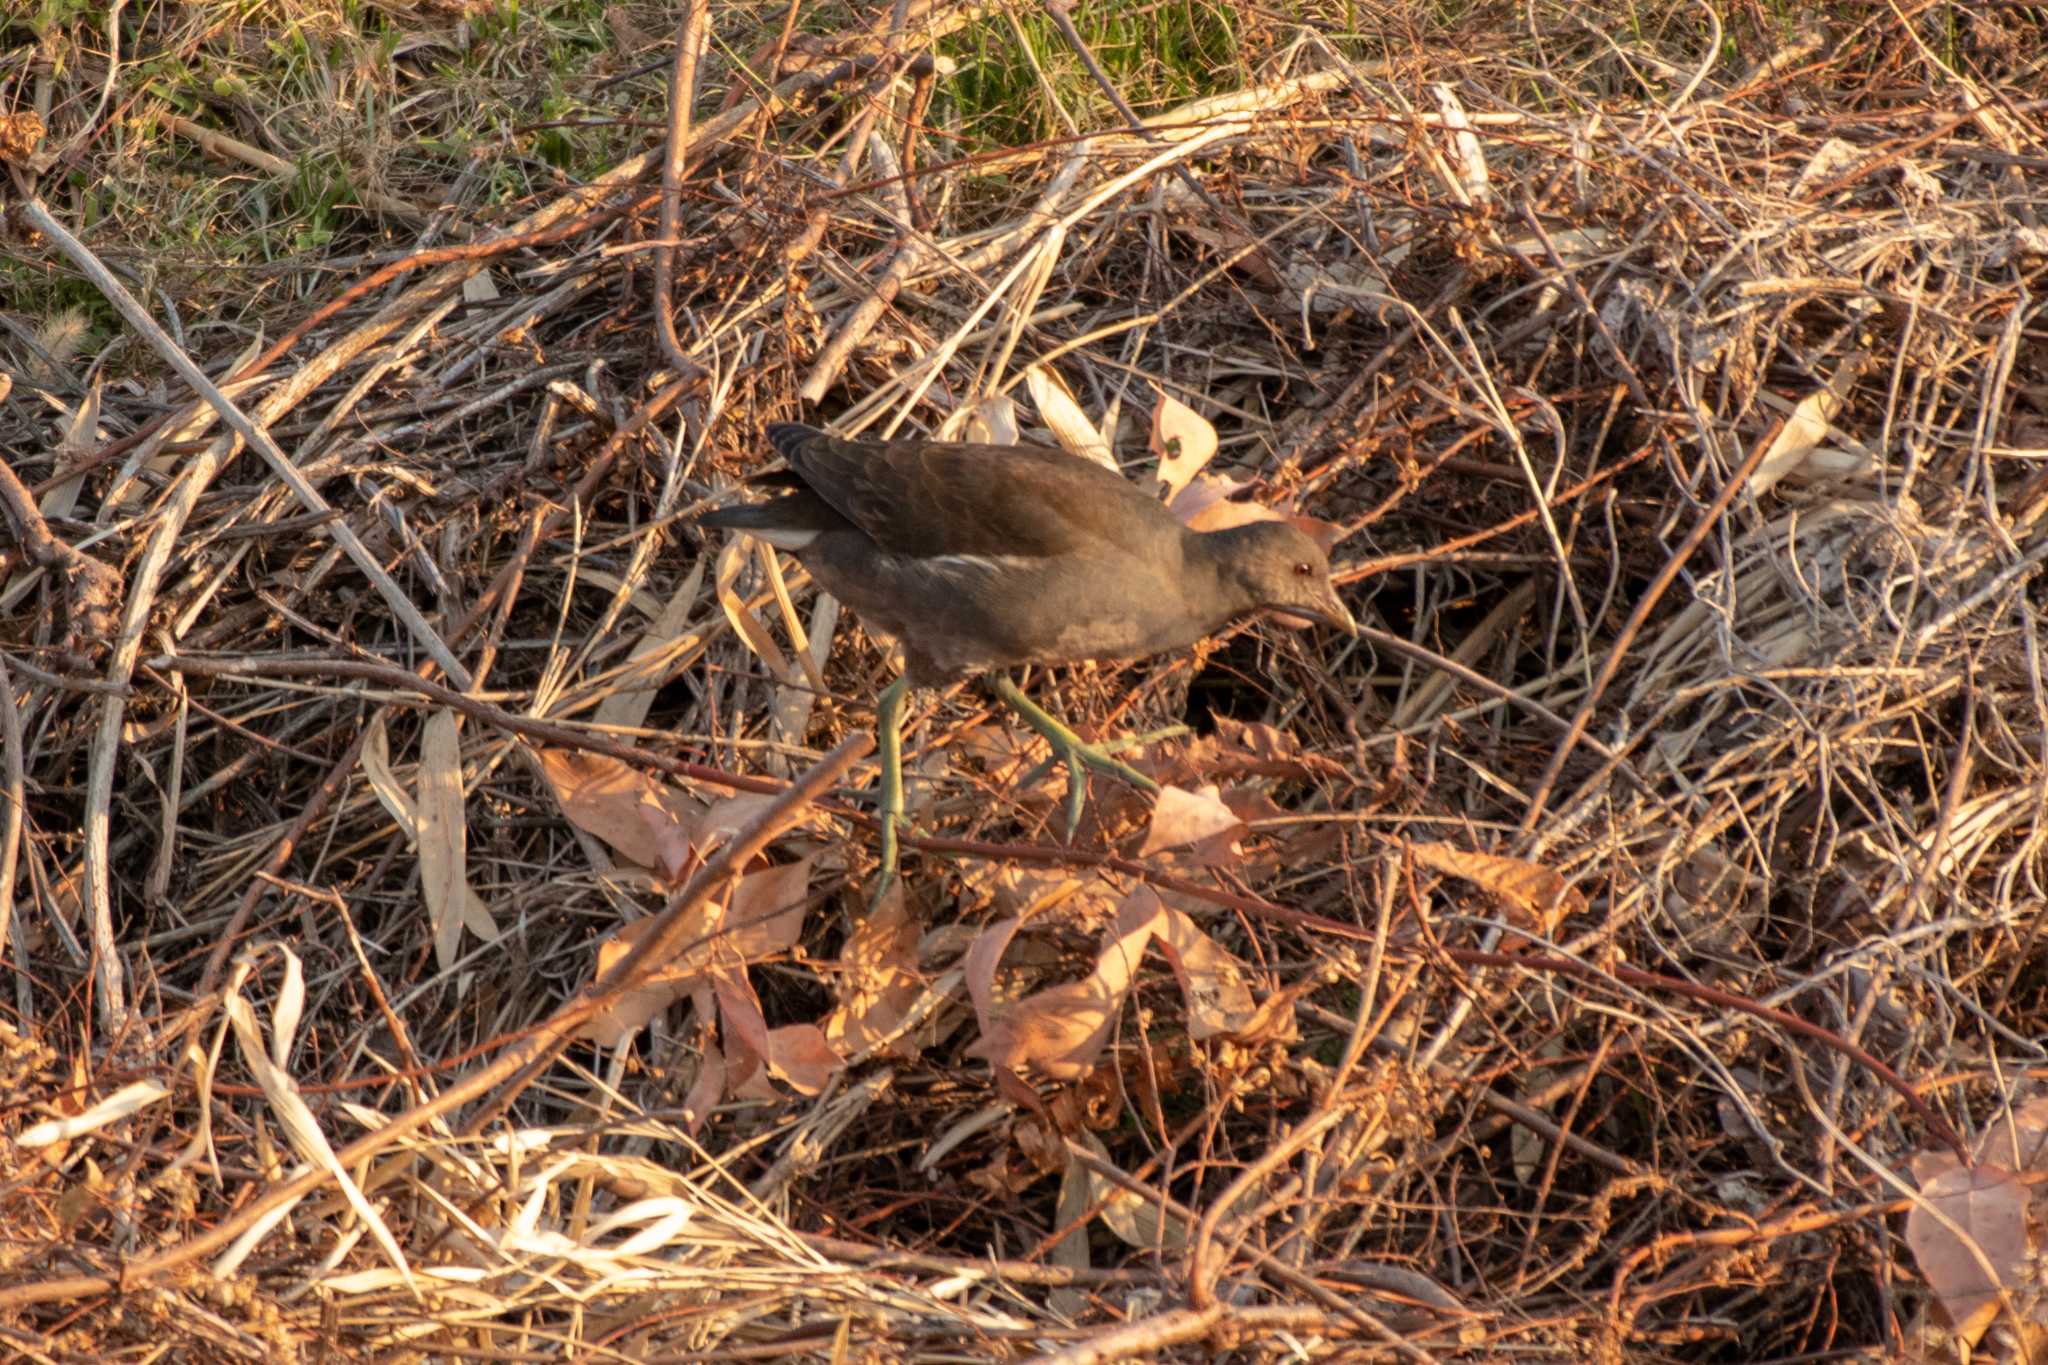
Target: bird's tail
[(789, 437)]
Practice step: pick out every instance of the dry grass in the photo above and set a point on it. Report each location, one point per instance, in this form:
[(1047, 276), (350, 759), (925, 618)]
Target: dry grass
[(1615, 932)]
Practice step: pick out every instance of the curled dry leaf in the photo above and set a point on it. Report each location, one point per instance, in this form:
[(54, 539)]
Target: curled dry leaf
[(1184, 442), (640, 818), (709, 1086), (795, 1053), (1205, 505), (443, 829), (991, 421), (979, 965), (765, 916), (127, 1100), (1183, 818), (376, 761), (731, 560), (1061, 1032), (745, 1031), (1070, 426), (1539, 896), (1136, 1220), (1797, 448), (1211, 980)]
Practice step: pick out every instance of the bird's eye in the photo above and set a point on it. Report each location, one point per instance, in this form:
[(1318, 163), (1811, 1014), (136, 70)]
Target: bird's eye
[(1302, 570)]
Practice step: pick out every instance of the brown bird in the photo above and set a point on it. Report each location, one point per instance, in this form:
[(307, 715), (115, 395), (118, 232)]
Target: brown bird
[(978, 558)]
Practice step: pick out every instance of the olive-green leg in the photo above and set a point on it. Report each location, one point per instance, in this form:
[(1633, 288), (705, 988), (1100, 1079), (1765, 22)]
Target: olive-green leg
[(889, 739), (1071, 749)]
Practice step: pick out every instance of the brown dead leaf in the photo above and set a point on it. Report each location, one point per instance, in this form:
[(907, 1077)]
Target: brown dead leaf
[(1182, 818), (1096, 1101), (744, 1031), (1136, 1220), (443, 826), (1184, 442), (1969, 1272), (1206, 505), (1211, 981), (978, 967), (1061, 1032), (766, 913), (879, 979), (1017, 889), (1272, 750), (1538, 895), (799, 1055), (1229, 240), (2018, 1138), (641, 818), (796, 1053), (708, 1087), (644, 1001), (1325, 534), (1273, 1019), (1249, 803), (1004, 1177), (728, 818), (764, 917), (659, 989)]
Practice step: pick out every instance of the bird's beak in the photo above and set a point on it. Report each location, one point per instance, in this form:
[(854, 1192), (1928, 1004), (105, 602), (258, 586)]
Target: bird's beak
[(1337, 615), (1331, 611), (1326, 611)]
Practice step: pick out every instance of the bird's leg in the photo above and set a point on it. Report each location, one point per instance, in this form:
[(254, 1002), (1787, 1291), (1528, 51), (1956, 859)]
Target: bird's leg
[(1071, 749), (889, 739)]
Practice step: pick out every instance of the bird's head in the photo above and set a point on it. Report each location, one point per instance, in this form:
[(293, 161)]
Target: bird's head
[(1277, 566)]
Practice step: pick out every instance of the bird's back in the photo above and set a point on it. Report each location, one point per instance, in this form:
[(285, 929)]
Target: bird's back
[(940, 498)]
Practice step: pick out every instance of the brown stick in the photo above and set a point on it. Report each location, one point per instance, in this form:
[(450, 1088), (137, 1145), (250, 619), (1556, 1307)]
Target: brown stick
[(682, 93)]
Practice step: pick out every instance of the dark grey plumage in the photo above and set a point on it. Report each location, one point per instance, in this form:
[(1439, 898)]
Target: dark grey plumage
[(980, 557)]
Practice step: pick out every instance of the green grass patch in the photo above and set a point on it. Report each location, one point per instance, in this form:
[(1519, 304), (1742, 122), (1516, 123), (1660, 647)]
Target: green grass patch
[(1020, 82)]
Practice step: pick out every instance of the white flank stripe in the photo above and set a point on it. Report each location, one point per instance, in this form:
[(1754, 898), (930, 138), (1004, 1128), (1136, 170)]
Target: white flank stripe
[(954, 566)]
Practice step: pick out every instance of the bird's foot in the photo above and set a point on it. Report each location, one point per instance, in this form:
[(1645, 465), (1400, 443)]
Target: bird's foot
[(891, 852), (1070, 749)]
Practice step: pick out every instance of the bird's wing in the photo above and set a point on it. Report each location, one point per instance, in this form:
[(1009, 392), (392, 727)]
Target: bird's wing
[(933, 500)]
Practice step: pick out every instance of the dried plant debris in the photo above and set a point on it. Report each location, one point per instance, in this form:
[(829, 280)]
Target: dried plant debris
[(435, 912)]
